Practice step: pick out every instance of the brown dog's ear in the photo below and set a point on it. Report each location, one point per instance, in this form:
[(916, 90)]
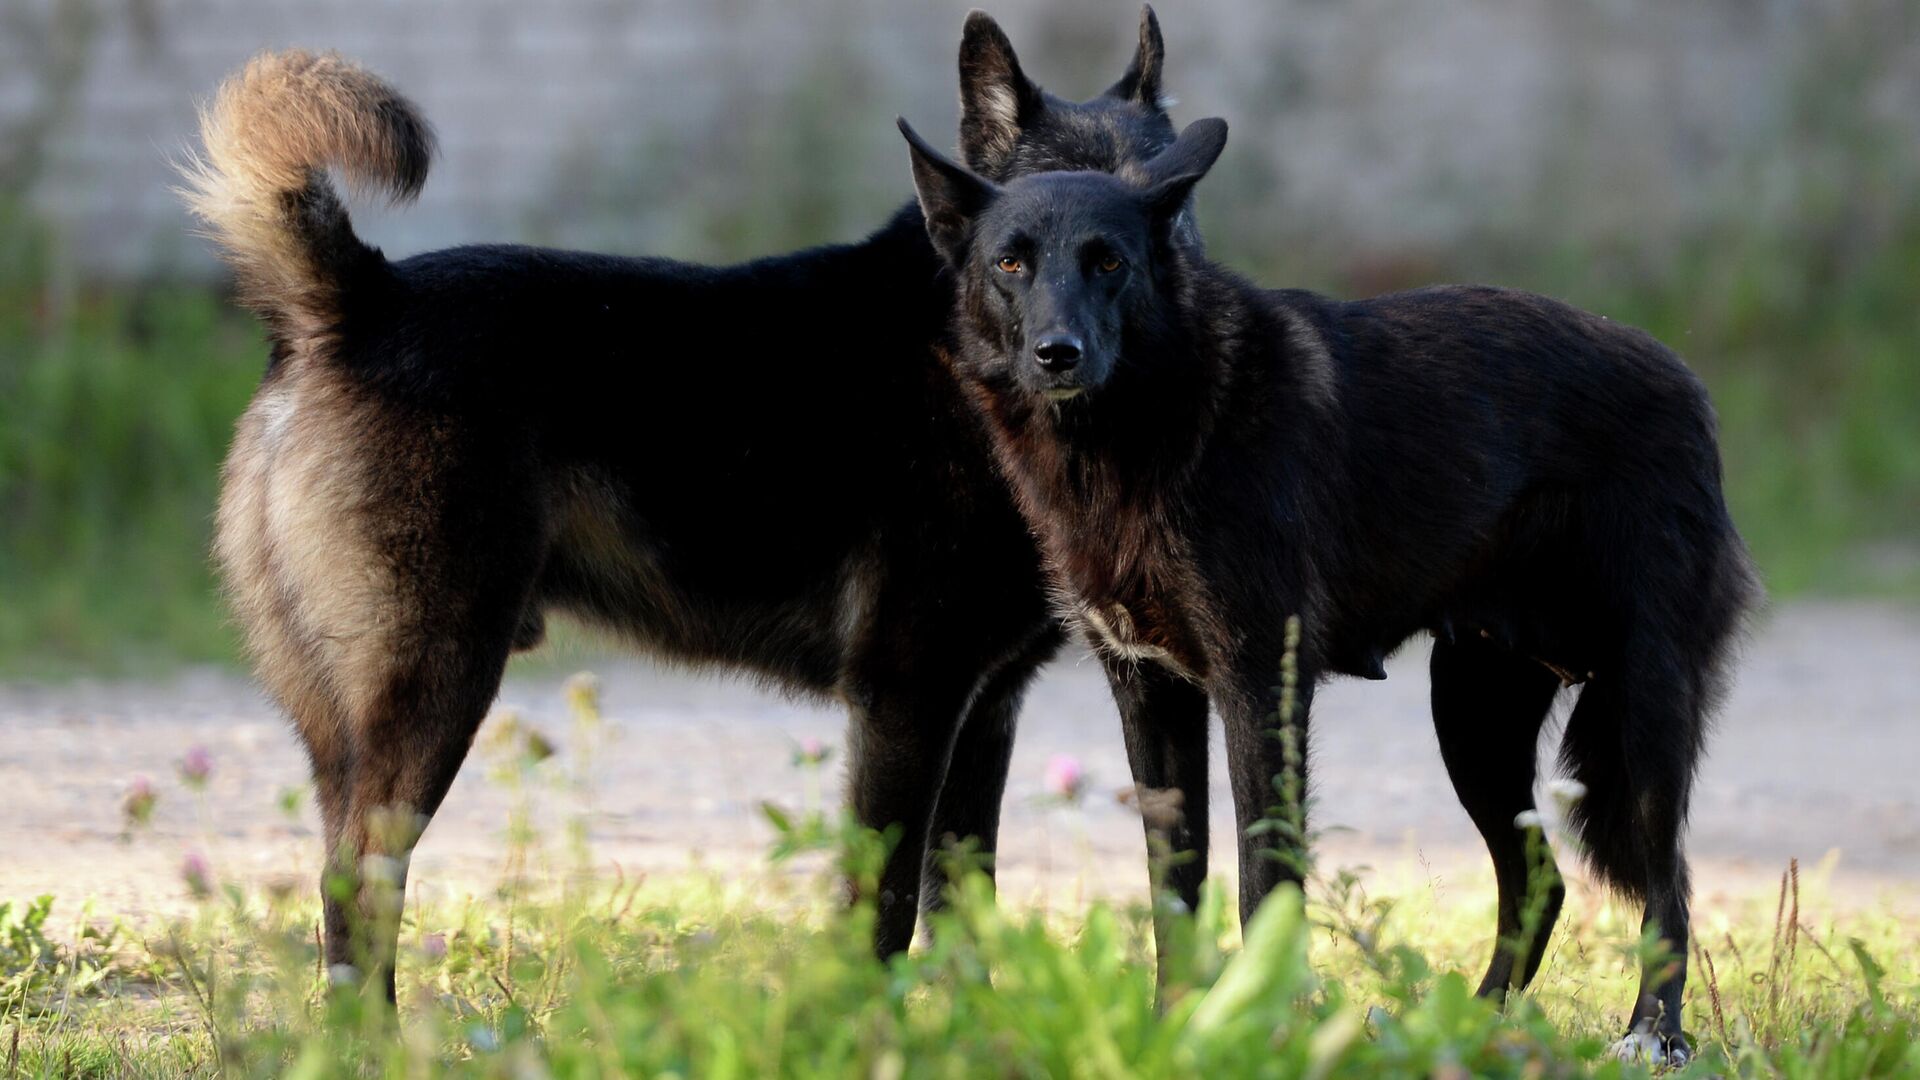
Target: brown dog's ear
[(1170, 176), (1141, 83), (950, 196), (997, 100)]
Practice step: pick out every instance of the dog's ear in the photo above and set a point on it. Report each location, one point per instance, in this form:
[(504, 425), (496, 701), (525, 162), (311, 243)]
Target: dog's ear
[(950, 196), (1141, 83), (997, 100), (1170, 176)]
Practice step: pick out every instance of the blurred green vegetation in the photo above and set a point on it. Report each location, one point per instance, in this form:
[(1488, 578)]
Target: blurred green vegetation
[(115, 409), (116, 405)]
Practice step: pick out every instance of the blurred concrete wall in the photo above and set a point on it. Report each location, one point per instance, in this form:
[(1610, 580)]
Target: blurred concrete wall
[(712, 128)]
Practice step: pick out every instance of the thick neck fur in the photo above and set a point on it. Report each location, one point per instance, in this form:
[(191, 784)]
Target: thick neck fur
[(1111, 480)]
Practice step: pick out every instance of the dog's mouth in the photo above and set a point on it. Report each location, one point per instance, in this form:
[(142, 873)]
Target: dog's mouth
[(1058, 394)]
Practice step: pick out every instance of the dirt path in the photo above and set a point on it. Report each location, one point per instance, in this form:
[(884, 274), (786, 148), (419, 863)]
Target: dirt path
[(1818, 749)]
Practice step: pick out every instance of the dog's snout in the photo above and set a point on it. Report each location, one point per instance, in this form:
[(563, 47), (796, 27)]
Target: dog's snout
[(1058, 352)]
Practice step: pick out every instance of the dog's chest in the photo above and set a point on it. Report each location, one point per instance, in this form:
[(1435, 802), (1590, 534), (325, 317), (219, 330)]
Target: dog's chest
[(1141, 628)]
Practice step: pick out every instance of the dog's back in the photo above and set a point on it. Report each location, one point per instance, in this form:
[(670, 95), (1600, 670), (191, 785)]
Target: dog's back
[(640, 432), (1530, 439)]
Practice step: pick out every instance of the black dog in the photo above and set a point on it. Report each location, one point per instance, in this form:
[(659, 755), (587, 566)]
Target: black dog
[(764, 467), (1201, 458)]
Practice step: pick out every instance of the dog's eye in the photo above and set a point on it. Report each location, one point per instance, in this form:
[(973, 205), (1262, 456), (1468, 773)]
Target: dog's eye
[(1009, 264), (1110, 264)]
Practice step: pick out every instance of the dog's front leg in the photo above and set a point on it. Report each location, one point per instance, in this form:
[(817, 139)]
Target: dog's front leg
[(1164, 719), (1267, 762), (899, 738)]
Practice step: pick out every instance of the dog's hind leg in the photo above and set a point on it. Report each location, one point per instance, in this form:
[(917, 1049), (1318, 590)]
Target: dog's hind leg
[(330, 753), (382, 593), (1488, 708), (1633, 741), (1164, 719), (380, 770), (412, 740), (968, 810)]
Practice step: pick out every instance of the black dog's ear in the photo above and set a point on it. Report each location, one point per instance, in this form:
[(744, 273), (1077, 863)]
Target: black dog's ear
[(949, 195), (1141, 83), (1171, 175), (997, 100)]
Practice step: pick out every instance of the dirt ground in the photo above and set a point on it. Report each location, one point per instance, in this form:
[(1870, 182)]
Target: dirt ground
[(1817, 752)]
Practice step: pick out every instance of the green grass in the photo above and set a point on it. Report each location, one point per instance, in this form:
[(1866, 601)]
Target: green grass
[(116, 406), (555, 974), (692, 977)]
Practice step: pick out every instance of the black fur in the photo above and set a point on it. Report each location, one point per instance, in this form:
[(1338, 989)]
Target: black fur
[(1202, 458)]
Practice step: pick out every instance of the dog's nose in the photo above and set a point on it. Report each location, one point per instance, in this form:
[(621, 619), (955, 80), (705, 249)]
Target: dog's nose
[(1057, 352)]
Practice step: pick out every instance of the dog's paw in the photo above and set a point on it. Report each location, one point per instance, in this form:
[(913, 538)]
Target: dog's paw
[(1651, 1049), (1637, 1046)]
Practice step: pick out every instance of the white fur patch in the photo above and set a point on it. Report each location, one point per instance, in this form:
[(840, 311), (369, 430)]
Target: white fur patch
[(998, 108), (276, 412), (999, 105), (1644, 1046), (1114, 635)]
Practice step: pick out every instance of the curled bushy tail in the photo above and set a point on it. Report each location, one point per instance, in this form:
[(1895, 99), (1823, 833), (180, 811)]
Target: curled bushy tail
[(259, 182)]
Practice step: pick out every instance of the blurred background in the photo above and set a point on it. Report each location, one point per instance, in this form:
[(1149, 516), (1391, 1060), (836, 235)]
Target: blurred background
[(1741, 177)]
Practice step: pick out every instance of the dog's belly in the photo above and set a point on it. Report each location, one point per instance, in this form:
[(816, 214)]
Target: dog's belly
[(607, 569)]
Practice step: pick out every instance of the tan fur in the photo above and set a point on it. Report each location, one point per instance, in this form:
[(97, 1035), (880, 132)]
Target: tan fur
[(319, 601), (242, 548), (257, 181), (316, 596), (307, 536), (321, 553)]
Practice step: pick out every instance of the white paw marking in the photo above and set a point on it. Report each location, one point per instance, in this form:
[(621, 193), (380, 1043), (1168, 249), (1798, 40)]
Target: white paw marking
[(1641, 1046)]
